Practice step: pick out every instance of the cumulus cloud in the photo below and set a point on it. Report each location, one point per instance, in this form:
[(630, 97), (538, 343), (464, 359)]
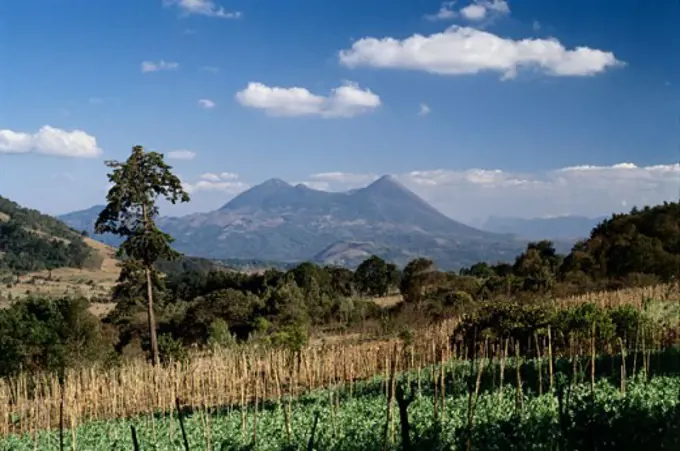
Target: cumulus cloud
[(181, 154), (347, 100), (207, 104), (475, 11), (203, 8), (225, 182), (348, 179), (446, 12), (320, 186), (464, 50), (424, 109), (583, 190), (152, 66), (50, 141), (481, 9)]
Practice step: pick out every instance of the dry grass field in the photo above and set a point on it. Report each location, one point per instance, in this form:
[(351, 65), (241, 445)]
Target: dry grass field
[(94, 284)]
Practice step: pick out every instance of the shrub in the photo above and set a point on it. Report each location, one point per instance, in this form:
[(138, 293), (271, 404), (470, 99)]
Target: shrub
[(219, 335), (171, 350)]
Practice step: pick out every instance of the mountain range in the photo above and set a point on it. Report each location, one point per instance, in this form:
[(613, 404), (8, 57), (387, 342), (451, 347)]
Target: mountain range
[(281, 222)]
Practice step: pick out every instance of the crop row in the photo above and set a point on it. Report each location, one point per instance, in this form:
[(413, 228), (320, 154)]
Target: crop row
[(569, 417)]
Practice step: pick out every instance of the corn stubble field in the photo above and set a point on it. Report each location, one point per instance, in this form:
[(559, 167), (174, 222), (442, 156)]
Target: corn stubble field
[(593, 389)]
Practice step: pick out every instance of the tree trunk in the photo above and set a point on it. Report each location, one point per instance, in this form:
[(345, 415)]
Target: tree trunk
[(149, 301), (152, 320)]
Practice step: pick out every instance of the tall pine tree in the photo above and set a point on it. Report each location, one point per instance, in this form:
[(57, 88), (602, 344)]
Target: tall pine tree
[(130, 211)]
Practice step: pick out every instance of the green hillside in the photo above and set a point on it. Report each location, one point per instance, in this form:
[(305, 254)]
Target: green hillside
[(644, 241), (32, 241)]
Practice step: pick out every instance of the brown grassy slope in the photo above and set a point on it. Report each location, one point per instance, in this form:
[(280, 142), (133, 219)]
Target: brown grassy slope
[(94, 284)]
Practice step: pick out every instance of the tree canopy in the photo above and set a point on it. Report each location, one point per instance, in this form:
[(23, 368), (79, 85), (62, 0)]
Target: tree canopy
[(31, 241), (130, 211)]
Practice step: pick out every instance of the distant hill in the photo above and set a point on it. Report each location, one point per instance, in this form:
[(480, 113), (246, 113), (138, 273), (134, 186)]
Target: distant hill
[(276, 221), (31, 241), (84, 220), (560, 227)]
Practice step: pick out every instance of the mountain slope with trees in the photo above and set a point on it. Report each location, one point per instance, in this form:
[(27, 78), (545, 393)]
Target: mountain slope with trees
[(32, 241)]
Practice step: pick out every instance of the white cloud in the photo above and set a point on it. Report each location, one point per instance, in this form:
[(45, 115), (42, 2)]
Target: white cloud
[(346, 178), (210, 177), (50, 141), (583, 190), (536, 25), (475, 11), (207, 103), (203, 8), (228, 176), (347, 100), (446, 12), (319, 186), (181, 154), (464, 50), (424, 109), (499, 6), (211, 69), (481, 9), (151, 66), (225, 182)]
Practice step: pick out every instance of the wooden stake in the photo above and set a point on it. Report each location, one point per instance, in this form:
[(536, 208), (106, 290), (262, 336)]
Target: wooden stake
[(550, 358), (181, 424), (539, 359), (592, 360), (135, 443), (623, 366)]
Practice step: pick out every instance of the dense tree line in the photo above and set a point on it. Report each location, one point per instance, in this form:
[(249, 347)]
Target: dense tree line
[(23, 250), (196, 304), (286, 304), (41, 334)]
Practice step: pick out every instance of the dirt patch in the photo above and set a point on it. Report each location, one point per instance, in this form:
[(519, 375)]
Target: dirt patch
[(101, 309), (388, 301)]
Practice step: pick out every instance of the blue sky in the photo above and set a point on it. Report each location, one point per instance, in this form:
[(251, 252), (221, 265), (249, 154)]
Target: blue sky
[(531, 107)]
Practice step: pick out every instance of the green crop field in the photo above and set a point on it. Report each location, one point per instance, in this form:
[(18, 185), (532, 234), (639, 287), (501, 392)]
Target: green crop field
[(644, 412)]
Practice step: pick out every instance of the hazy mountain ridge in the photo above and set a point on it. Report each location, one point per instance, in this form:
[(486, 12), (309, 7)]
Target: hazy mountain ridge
[(280, 222), (83, 220), (571, 227)]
